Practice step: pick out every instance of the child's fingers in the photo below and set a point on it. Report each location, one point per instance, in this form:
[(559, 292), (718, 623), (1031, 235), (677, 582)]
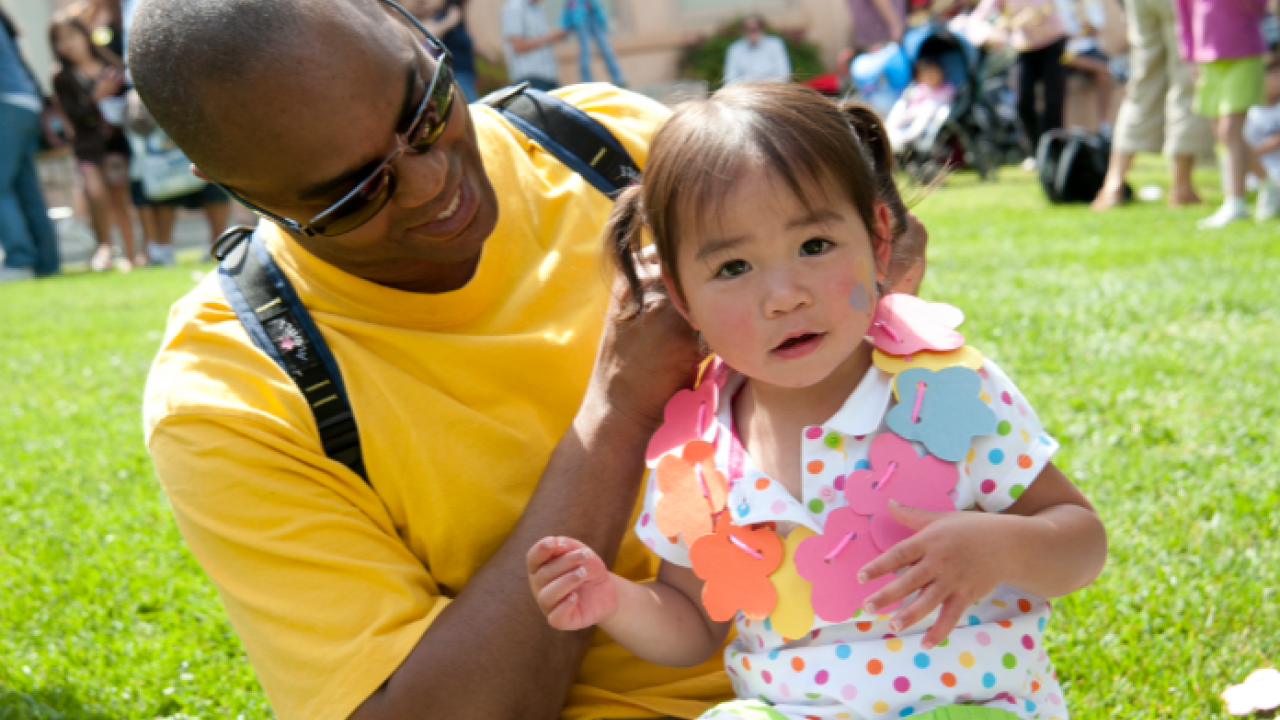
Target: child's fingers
[(918, 609), (562, 564), (567, 615), (546, 549), (948, 617), (555, 591), (915, 578), (905, 553)]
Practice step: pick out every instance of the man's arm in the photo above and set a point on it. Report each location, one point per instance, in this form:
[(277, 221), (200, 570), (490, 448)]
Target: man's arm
[(522, 44), (491, 653)]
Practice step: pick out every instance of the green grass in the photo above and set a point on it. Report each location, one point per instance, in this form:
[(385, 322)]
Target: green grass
[(1150, 350)]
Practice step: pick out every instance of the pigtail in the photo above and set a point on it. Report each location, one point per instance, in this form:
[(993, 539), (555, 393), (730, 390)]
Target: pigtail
[(622, 236)]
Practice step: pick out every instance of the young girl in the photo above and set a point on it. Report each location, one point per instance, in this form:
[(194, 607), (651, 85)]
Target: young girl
[(827, 447), (87, 75)]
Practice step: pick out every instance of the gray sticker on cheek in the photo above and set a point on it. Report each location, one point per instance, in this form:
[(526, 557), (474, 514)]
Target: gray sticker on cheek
[(860, 298)]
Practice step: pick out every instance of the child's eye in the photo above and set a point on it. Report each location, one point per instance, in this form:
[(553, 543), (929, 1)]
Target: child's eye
[(733, 268), (815, 246)]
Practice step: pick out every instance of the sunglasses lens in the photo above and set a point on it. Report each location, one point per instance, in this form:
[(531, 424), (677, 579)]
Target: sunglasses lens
[(435, 117), (359, 207)]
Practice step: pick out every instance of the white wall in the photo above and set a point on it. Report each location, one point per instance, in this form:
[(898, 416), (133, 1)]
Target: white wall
[(32, 17)]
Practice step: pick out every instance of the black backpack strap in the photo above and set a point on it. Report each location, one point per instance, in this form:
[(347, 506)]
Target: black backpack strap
[(280, 326), (573, 137)]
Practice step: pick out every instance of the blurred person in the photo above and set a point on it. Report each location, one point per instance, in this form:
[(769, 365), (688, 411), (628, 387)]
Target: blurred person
[(1084, 21), (450, 25), (1262, 132), (756, 56), (88, 74), (528, 44), (913, 113), (1224, 39), (876, 23), (105, 20), (1035, 30), (1156, 114), (26, 234), (588, 21)]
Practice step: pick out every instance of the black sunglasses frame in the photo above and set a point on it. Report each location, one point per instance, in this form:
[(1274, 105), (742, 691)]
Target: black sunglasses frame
[(316, 225)]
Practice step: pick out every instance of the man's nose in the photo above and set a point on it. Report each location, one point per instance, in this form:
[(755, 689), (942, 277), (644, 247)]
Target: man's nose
[(420, 178)]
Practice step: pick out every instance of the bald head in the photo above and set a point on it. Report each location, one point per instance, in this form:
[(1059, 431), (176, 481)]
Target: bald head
[(193, 61)]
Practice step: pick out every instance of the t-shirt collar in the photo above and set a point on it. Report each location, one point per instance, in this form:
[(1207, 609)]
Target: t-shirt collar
[(862, 413)]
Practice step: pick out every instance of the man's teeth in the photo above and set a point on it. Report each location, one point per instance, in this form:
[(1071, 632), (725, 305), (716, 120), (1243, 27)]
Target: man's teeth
[(453, 207)]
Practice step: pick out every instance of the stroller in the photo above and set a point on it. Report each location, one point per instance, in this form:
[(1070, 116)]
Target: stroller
[(978, 130)]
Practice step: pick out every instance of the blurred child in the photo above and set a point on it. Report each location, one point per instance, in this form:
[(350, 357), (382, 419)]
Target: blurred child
[(913, 113), (1262, 132), (1224, 38)]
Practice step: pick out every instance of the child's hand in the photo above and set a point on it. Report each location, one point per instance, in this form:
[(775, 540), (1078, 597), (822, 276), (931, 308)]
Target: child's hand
[(955, 559), (572, 586)]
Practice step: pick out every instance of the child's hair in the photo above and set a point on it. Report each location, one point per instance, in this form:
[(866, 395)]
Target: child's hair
[(927, 63), (67, 21), (707, 145)]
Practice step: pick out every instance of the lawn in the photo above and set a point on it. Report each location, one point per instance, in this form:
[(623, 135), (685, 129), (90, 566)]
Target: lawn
[(1150, 350)]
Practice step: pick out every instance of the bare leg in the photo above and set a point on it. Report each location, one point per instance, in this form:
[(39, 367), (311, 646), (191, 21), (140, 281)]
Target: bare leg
[(95, 190), (1231, 133), (218, 215), (1183, 192), (164, 216), (1112, 192), (116, 175)]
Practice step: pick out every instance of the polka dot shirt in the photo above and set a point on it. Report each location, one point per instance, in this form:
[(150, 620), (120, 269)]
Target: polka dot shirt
[(859, 669)]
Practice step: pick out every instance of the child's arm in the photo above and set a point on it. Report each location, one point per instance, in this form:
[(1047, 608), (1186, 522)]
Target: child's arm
[(1049, 542), (662, 621)]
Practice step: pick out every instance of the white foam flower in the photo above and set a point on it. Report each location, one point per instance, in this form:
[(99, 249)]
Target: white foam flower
[(1259, 692)]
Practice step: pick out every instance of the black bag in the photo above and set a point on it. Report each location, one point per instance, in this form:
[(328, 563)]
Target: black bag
[(1072, 165)]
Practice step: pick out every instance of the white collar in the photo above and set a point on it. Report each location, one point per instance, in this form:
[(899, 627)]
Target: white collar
[(861, 413)]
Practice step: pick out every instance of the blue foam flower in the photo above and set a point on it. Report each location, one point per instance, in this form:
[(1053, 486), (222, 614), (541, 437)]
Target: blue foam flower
[(951, 412)]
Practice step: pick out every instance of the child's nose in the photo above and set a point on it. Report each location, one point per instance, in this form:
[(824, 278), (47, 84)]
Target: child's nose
[(785, 295)]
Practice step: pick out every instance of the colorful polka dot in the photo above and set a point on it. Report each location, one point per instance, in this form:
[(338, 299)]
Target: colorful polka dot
[(838, 483), (1024, 605), (862, 465), (966, 660), (901, 684), (832, 440), (1026, 436), (813, 433), (904, 712), (875, 667), (881, 706), (1040, 624), (644, 520), (948, 680), (985, 397), (1028, 642), (743, 509), (822, 677), (969, 458), (921, 660), (894, 644), (988, 486), (816, 506), (1004, 624), (797, 664), (762, 483), (843, 651), (863, 626), (1009, 661), (1024, 461), (827, 493), (996, 456), (983, 639), (1005, 427), (988, 680), (815, 466), (766, 676), (849, 692), (1006, 398), (778, 507), (786, 691), (773, 654)]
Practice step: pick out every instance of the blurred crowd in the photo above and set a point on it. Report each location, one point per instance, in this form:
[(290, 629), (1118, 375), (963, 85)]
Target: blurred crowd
[(960, 82)]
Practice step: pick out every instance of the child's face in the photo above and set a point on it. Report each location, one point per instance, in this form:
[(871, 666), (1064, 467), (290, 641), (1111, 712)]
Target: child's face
[(784, 295), (931, 75)]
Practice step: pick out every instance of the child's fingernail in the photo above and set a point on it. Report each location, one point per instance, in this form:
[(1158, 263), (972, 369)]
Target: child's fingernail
[(869, 607), (862, 578), (896, 625), (580, 572), (927, 645)]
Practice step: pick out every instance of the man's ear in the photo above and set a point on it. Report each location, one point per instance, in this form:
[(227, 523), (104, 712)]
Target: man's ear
[(883, 249), (676, 300), (200, 173)]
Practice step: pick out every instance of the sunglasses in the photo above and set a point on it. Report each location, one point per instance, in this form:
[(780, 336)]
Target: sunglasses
[(372, 194)]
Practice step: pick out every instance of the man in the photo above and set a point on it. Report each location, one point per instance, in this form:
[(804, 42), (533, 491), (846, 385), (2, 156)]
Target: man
[(460, 290), (528, 43), (756, 56)]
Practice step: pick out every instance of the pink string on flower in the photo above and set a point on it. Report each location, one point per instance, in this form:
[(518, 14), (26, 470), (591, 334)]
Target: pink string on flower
[(889, 331), (915, 414), (702, 483), (745, 547), (840, 546), (893, 465)]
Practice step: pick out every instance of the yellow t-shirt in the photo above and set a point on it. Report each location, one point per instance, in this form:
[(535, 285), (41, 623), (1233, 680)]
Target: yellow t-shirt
[(460, 397)]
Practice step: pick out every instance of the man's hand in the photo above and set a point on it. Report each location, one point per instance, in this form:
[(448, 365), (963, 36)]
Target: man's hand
[(643, 359), (955, 559), (573, 587)]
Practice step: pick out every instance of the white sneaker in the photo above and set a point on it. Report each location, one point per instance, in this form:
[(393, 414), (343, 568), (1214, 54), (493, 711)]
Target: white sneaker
[(161, 255), (1029, 165), (1268, 202), (13, 274), (102, 259), (1224, 216)]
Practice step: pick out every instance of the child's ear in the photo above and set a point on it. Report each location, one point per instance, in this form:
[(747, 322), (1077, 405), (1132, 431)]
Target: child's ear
[(676, 301), (884, 248)]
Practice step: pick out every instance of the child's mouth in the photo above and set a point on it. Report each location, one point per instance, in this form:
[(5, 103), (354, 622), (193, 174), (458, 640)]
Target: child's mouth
[(799, 346)]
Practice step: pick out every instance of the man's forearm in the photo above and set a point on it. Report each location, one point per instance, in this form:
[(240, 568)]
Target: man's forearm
[(521, 45), (491, 653)]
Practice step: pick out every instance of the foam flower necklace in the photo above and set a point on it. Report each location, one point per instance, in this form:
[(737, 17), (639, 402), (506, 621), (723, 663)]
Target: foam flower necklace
[(791, 580)]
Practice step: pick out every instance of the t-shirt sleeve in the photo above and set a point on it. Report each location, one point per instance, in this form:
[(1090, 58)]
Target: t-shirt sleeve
[(325, 596), (673, 550), (1003, 464), (512, 21)]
